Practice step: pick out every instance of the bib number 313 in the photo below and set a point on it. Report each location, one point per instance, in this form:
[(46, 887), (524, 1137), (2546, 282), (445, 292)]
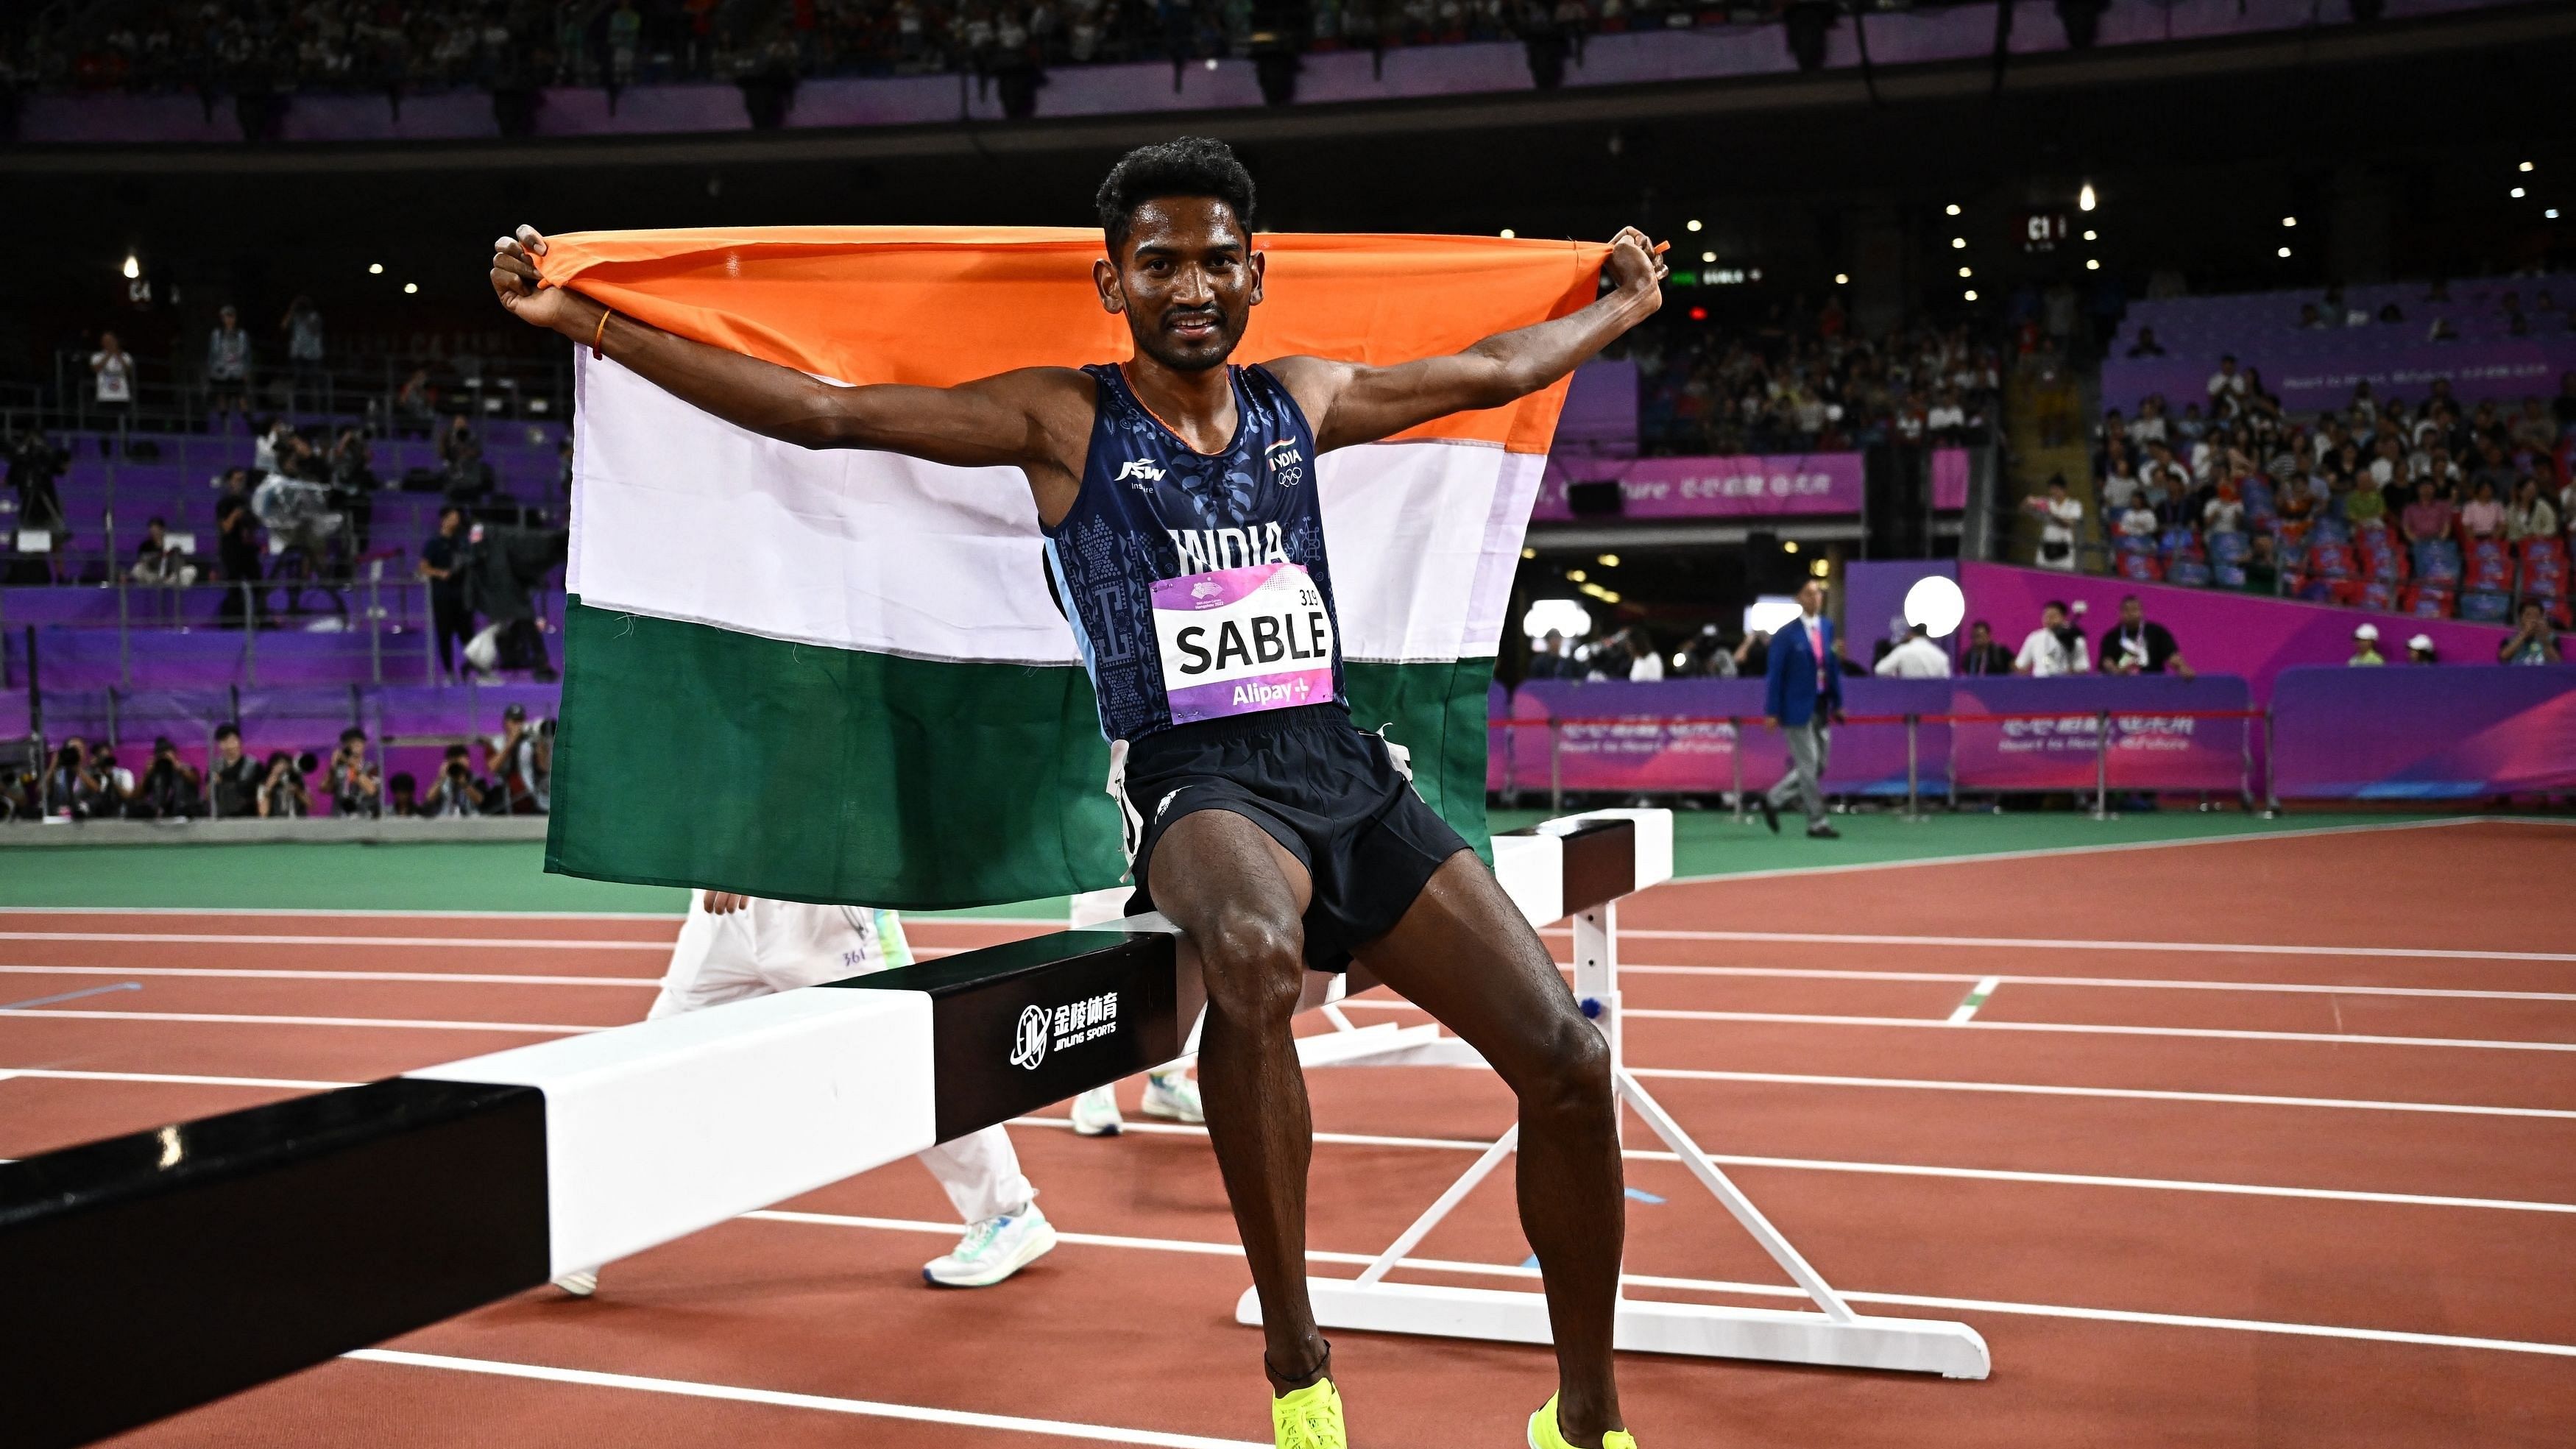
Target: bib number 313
[(1239, 640)]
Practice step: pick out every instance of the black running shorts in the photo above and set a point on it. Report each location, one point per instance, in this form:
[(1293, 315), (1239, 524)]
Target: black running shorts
[(1328, 792)]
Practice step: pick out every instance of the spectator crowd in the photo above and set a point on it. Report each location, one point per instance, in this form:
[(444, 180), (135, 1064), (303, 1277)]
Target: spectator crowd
[(78, 780), (275, 46), (2435, 507), (1803, 381)]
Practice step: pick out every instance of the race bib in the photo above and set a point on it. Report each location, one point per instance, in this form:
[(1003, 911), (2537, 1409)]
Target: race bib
[(1239, 640)]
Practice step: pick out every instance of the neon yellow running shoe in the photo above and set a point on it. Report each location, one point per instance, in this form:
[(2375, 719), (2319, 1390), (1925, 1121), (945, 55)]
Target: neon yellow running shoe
[(1310, 1418), (1543, 1434)]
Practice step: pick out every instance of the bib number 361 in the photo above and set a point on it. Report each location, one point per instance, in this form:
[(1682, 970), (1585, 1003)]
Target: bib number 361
[(1239, 640)]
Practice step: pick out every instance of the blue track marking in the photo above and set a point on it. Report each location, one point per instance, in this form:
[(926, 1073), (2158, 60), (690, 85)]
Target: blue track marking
[(73, 995)]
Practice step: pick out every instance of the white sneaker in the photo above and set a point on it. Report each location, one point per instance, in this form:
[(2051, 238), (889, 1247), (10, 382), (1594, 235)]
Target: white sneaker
[(1095, 1113), (1172, 1097), (993, 1250), (579, 1285)]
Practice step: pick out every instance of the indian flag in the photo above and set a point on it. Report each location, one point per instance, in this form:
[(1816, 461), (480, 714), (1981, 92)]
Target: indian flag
[(840, 677)]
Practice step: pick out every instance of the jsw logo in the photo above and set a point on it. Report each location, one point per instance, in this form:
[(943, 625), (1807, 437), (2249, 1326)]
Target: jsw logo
[(1139, 468)]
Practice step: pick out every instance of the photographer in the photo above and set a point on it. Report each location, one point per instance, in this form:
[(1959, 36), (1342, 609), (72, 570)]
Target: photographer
[(354, 785), (170, 789), (74, 789), (158, 562), (234, 786), (406, 795), (522, 763), (34, 464), (456, 791), (282, 795), (2055, 648)]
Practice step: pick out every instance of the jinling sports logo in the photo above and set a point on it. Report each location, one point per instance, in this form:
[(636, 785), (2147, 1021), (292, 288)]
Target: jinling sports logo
[(1041, 1031), (1032, 1045)]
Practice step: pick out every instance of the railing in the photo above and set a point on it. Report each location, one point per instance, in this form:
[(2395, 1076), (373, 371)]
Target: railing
[(375, 628), (2254, 766), (178, 396)]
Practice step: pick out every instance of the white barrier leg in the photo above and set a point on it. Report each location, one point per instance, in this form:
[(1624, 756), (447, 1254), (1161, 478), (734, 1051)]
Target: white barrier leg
[(1833, 1335)]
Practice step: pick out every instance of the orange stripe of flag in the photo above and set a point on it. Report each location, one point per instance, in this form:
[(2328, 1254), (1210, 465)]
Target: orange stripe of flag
[(937, 306)]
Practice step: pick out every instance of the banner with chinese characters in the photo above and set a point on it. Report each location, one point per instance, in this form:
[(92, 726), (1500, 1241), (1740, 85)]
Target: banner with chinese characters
[(1684, 735), (2160, 734), (1708, 487)]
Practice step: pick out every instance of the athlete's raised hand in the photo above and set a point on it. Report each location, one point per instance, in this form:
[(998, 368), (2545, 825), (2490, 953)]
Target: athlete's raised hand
[(514, 280), (1636, 266)]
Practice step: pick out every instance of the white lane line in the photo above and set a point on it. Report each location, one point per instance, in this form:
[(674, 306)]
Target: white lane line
[(2142, 1094), (1802, 1079), (1907, 1169), (1966, 1010), (2072, 943), (218, 938), (2295, 988), (2044, 852), (1756, 1290), (460, 978), (776, 1398), (1684, 1074), (1795, 1018), (1802, 1018), (179, 1079), (222, 1018)]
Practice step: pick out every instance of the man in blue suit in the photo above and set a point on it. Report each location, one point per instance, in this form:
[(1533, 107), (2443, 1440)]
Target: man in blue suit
[(1805, 698)]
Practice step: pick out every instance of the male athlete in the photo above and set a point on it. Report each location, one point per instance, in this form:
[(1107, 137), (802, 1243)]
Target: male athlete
[(734, 947), (1273, 833)]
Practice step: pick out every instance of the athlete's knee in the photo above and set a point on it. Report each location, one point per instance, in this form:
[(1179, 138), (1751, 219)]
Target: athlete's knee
[(1571, 1076), (1253, 962)]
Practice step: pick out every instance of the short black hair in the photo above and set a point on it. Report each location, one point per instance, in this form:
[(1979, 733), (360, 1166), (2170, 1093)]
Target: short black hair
[(1185, 166), (352, 733), (232, 731), (2058, 604)]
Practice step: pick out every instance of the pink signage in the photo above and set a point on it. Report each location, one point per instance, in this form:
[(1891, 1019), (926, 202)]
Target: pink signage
[(1706, 487)]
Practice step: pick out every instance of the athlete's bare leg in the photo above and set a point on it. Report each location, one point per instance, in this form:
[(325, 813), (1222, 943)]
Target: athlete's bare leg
[(1462, 953), (1465, 954), (1240, 898)]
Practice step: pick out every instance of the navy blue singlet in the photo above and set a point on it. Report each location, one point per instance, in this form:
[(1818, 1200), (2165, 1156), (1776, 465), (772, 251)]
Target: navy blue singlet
[(1179, 569)]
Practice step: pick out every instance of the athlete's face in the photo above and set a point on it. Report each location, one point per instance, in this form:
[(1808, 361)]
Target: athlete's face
[(1186, 279)]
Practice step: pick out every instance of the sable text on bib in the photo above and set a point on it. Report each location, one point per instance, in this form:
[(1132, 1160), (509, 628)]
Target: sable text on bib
[(1239, 640)]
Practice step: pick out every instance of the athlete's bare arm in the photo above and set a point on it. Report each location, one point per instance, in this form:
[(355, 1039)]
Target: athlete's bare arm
[(1348, 403), (1036, 419)]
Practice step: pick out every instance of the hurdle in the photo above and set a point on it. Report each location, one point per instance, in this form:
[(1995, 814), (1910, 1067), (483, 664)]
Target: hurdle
[(156, 1272), (1581, 866)]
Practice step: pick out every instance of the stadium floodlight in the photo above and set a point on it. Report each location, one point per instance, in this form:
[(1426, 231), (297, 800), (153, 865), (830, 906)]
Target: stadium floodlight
[(2085, 200), (1564, 616), (1843, 279), (133, 266), (1936, 603)]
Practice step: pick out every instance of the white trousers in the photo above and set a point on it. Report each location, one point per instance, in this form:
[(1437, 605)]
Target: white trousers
[(772, 946)]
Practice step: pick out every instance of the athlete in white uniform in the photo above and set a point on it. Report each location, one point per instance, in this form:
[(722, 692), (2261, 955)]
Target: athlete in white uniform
[(734, 946), (1169, 1093)]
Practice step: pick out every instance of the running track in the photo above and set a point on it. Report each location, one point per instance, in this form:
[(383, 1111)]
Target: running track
[(2261, 1141)]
